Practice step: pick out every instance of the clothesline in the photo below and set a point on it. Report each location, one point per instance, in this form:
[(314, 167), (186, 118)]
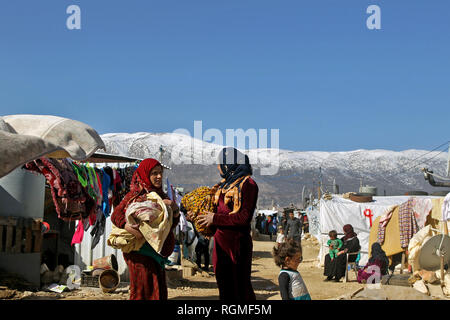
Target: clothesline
[(84, 192)]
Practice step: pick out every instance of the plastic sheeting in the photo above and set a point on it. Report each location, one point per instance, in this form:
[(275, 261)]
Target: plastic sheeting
[(336, 213), (25, 137)]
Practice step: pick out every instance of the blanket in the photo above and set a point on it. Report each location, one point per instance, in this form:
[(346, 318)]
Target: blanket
[(154, 219), (24, 138)]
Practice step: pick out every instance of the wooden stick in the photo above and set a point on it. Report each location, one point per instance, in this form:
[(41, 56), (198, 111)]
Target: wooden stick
[(29, 240), (37, 241), (9, 238), (1, 238), (18, 244)]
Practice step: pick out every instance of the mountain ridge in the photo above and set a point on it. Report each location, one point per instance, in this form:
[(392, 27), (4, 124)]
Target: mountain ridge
[(392, 172)]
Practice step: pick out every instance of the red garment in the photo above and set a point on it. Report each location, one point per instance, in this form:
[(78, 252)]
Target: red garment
[(79, 233), (233, 246), (140, 184), (147, 278)]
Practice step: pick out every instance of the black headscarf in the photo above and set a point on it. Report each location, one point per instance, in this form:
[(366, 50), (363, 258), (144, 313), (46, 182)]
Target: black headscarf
[(234, 165), (377, 253)]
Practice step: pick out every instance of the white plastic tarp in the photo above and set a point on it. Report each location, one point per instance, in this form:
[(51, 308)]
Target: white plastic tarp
[(313, 214), (336, 213)]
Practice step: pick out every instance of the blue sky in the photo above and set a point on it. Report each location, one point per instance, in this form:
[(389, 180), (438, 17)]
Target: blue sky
[(309, 68)]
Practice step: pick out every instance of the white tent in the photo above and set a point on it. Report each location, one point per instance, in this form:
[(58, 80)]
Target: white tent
[(337, 212)]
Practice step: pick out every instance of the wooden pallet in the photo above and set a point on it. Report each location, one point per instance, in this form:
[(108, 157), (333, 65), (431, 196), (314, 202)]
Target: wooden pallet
[(20, 235)]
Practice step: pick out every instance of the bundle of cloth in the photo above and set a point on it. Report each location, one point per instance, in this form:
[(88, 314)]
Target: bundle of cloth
[(199, 201), (154, 219)]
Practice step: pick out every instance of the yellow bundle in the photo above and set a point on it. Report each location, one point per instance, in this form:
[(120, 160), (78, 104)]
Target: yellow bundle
[(199, 201)]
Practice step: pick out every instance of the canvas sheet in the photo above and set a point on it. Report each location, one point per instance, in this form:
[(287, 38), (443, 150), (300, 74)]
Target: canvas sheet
[(24, 138), (336, 213)]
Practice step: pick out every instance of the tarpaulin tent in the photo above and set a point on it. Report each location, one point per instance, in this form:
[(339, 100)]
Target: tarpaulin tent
[(337, 212), (25, 137)]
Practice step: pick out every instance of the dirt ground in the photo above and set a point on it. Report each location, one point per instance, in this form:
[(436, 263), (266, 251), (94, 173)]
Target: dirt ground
[(265, 277), (202, 286)]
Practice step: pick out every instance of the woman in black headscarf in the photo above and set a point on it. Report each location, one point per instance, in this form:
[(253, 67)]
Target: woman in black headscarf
[(378, 258), (235, 200), (335, 269)]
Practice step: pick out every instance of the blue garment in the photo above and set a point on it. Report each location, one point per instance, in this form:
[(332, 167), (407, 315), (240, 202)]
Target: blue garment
[(106, 184)]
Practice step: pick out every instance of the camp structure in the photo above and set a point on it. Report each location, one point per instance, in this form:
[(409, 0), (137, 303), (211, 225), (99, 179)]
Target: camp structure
[(24, 138), (334, 213)]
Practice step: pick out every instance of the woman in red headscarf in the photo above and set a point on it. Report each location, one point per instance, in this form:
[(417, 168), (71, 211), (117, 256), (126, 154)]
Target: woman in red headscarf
[(146, 267), (335, 269)]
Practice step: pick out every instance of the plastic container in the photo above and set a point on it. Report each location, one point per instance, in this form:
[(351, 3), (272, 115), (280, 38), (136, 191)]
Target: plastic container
[(107, 263)]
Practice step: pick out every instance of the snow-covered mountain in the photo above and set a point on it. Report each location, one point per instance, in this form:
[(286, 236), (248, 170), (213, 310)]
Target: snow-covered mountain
[(281, 174)]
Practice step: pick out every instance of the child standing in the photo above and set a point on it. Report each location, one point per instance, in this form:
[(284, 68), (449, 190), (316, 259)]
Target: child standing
[(288, 256), (280, 236), (334, 243)]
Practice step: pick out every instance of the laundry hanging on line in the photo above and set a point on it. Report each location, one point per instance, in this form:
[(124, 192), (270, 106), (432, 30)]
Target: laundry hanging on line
[(83, 192)]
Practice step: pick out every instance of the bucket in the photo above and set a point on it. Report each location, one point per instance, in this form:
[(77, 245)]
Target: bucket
[(107, 263), (109, 280)]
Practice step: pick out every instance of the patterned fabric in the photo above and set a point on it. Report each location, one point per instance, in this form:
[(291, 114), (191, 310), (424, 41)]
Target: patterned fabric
[(407, 222), (199, 201), (154, 219), (69, 197), (383, 223), (233, 194), (422, 208)]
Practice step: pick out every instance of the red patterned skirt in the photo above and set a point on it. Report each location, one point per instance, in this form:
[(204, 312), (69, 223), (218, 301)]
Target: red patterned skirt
[(147, 278)]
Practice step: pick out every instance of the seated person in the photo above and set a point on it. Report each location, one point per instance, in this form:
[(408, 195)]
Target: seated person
[(378, 258), (335, 268)]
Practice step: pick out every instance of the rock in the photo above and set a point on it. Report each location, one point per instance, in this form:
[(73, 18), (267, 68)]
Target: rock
[(436, 291), (27, 294), (428, 276), (7, 294), (421, 287), (390, 293)]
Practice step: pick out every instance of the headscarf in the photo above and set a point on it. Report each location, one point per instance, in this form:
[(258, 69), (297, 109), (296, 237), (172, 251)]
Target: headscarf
[(141, 184), (377, 254), (236, 169), (349, 233), (234, 165)]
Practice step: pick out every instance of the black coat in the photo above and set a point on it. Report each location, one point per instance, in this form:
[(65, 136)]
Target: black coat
[(336, 267)]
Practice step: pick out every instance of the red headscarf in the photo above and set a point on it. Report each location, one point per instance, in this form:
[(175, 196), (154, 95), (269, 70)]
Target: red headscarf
[(349, 233), (140, 185), (141, 178)]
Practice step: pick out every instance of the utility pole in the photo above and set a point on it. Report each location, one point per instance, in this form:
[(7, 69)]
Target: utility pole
[(161, 152), (303, 197)]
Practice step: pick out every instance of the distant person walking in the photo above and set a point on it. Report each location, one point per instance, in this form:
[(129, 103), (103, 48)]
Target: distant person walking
[(283, 221), (269, 227), (293, 228)]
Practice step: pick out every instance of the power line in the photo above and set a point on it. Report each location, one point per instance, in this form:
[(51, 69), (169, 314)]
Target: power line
[(409, 168)]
